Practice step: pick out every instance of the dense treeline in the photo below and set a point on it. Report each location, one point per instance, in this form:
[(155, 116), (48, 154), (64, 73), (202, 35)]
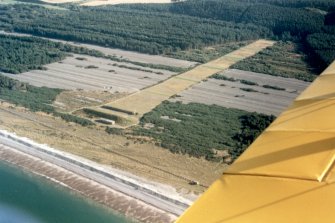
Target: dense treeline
[(330, 19), (193, 24), (202, 130), (34, 98), (286, 19), (297, 20), (326, 5), (144, 31), (279, 16), (279, 19), (285, 59), (323, 46), (166, 28), (20, 54), (252, 126), (320, 4)]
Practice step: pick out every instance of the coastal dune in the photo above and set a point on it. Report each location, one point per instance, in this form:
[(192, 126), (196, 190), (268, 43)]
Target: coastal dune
[(133, 196)]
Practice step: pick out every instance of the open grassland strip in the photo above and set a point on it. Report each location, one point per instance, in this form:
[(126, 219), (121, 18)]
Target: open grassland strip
[(76, 137), (147, 99)]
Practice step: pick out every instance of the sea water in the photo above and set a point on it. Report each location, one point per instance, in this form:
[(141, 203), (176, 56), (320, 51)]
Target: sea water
[(27, 198)]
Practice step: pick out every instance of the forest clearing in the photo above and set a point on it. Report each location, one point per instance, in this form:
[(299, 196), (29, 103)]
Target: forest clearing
[(245, 90), (92, 73), (144, 101)]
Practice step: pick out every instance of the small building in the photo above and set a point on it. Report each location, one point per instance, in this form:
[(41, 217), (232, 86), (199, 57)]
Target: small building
[(106, 121)]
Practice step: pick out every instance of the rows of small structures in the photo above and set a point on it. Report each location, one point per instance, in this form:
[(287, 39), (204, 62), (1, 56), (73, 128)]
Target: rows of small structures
[(244, 90), (92, 73)]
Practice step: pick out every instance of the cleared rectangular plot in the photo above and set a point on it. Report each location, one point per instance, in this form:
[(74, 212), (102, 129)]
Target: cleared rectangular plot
[(91, 73), (137, 57), (254, 98), (147, 99)]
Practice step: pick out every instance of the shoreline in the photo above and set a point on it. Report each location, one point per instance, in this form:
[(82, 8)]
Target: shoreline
[(132, 197)]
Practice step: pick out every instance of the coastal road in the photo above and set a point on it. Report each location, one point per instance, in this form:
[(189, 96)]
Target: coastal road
[(132, 187)]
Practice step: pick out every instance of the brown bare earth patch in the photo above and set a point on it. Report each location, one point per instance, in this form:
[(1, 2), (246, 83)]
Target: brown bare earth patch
[(140, 157)]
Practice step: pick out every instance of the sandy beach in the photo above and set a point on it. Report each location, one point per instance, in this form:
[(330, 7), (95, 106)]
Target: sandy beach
[(124, 193)]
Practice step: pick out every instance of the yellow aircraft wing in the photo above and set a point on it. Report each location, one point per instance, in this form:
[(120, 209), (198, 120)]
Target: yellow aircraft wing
[(287, 175)]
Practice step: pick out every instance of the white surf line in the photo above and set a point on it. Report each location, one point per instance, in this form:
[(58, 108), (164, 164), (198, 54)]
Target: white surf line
[(155, 195)]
